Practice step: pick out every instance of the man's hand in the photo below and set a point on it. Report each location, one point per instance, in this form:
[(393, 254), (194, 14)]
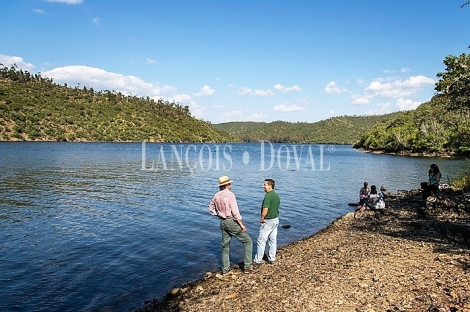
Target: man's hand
[(264, 212)]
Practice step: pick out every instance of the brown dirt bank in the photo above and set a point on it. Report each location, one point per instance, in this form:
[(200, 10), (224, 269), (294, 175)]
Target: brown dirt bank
[(411, 153), (404, 258)]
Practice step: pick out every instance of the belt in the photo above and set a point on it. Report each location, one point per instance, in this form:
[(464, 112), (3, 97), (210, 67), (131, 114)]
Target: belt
[(228, 218)]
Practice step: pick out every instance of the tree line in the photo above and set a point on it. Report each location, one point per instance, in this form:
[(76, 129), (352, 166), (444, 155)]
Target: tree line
[(334, 130), (34, 108), (441, 125)]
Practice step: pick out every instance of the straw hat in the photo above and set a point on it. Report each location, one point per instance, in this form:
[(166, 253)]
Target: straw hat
[(224, 180)]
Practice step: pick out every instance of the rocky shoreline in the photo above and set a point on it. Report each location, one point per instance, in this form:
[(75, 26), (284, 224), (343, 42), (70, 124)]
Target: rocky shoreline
[(443, 154), (411, 256)]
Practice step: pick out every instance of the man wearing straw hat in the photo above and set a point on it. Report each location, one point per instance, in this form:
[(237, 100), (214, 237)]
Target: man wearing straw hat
[(224, 206)]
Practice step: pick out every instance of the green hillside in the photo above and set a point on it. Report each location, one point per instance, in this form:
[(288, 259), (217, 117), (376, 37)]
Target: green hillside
[(33, 108), (336, 130), (440, 126)]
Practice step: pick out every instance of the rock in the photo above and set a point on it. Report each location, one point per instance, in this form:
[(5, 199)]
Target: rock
[(174, 292)]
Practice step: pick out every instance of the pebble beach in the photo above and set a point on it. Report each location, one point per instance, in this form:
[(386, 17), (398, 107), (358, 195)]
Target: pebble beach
[(410, 256)]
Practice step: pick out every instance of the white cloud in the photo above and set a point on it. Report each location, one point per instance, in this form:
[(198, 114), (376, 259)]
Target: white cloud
[(406, 104), (96, 21), (248, 91), (331, 87), (180, 98), (245, 91), (39, 11), (8, 61), (205, 91), (281, 88), (150, 61), (66, 1), (358, 99), (257, 117), (331, 112), (288, 108), (100, 79), (392, 71), (398, 88), (264, 93)]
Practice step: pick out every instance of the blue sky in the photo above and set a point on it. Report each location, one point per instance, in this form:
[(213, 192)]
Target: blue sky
[(297, 60)]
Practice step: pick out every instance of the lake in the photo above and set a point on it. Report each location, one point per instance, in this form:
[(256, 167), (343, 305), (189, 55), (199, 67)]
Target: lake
[(107, 226)]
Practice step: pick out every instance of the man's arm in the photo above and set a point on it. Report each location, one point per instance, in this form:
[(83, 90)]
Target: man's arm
[(212, 209), (264, 212), (237, 217), (240, 223)]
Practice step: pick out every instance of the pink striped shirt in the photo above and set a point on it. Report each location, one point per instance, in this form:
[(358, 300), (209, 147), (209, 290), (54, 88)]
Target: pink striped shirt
[(224, 205)]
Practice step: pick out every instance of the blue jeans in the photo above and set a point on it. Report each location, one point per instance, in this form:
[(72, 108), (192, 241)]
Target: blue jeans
[(231, 228), (267, 233)]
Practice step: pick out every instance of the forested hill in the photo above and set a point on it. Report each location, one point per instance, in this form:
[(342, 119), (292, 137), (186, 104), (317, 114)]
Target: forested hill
[(438, 127), (33, 108), (430, 129), (336, 130)]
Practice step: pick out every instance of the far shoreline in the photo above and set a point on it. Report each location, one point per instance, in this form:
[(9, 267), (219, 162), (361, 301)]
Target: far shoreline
[(427, 154), (404, 153)]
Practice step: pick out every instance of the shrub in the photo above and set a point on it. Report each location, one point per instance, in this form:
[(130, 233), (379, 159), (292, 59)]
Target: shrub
[(462, 182)]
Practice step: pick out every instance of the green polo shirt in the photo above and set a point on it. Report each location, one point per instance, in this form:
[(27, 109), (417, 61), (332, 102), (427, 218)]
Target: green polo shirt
[(271, 201)]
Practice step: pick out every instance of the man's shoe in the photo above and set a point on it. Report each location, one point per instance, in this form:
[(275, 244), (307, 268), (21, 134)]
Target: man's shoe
[(256, 264), (251, 270)]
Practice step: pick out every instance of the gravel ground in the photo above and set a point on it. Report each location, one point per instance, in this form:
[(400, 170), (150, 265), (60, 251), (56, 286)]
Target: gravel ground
[(404, 258)]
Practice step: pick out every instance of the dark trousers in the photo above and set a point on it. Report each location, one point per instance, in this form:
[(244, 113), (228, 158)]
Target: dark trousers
[(429, 189)]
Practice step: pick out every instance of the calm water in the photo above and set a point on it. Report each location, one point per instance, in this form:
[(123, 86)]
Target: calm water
[(107, 226)]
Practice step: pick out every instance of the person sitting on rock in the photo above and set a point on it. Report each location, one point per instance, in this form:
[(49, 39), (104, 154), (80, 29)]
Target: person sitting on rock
[(364, 194), (434, 178), (376, 200), (363, 197), (383, 189)]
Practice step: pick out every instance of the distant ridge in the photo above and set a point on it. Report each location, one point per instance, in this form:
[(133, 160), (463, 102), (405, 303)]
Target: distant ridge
[(334, 130)]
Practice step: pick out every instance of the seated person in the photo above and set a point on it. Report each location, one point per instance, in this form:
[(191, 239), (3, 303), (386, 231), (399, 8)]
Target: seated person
[(363, 197), (364, 194), (376, 200), (434, 178), (383, 189)]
